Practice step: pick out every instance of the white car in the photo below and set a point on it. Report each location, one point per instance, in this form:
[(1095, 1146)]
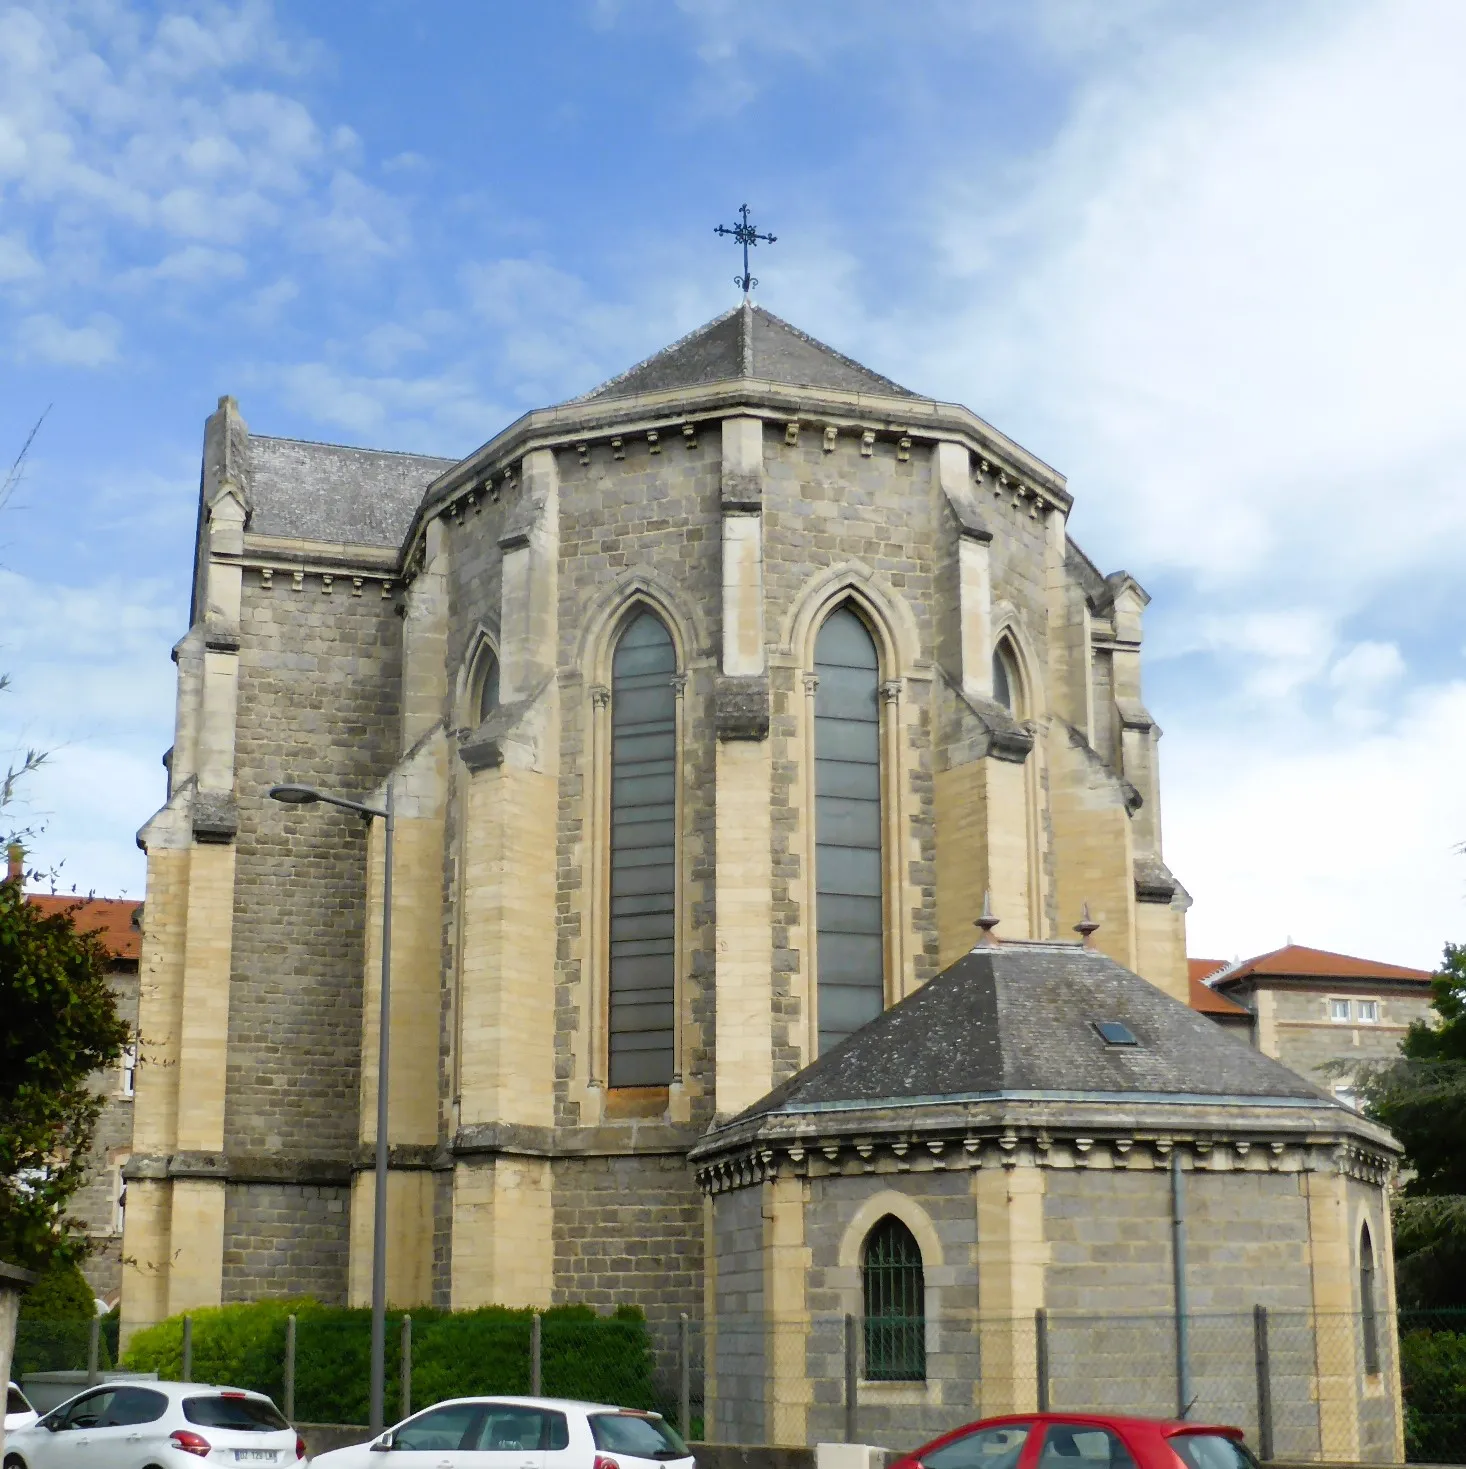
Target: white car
[(18, 1412), (155, 1425), (524, 1433)]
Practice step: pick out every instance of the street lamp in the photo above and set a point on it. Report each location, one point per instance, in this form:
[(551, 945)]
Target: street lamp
[(298, 795)]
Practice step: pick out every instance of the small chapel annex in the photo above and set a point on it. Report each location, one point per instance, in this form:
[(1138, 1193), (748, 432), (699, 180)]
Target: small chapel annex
[(712, 702)]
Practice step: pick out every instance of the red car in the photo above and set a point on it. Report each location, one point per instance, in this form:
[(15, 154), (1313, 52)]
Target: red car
[(1083, 1441)]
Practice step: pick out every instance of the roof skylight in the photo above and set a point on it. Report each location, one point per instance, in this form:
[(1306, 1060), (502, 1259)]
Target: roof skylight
[(1114, 1033)]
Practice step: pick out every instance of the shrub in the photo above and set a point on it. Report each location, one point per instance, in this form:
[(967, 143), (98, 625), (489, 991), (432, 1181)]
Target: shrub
[(454, 1354), (54, 1331)]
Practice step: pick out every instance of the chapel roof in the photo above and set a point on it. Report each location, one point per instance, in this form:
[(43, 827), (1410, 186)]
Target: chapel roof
[(114, 920), (1296, 961), (746, 342), (1207, 1001), (1020, 1020), (329, 492)]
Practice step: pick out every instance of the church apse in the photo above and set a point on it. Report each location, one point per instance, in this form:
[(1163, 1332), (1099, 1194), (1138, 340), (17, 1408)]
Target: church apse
[(792, 665)]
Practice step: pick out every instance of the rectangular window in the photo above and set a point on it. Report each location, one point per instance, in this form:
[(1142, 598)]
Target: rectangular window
[(1339, 1011), (1369, 1011), (129, 1070)]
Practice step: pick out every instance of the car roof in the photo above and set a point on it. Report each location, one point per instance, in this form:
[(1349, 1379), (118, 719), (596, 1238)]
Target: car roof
[(1132, 1420), (514, 1401)]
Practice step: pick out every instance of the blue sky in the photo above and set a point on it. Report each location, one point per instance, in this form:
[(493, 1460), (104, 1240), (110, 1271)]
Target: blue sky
[(1205, 260)]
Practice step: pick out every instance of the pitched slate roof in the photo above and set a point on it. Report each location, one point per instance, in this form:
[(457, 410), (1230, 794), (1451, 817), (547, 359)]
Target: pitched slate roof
[(746, 342), (1019, 1020), (328, 492), (1295, 961)]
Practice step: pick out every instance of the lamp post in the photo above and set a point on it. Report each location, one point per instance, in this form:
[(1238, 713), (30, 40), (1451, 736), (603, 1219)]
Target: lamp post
[(299, 795)]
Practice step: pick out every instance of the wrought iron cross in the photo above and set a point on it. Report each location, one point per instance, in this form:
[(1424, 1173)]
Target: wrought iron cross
[(746, 235)]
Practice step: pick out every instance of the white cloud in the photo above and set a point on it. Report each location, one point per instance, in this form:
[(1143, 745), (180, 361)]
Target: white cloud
[(90, 663), (16, 261), (1209, 283), (44, 338), (1342, 839), (123, 134)]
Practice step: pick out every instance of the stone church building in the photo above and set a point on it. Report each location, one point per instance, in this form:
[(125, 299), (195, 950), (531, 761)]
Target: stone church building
[(712, 702)]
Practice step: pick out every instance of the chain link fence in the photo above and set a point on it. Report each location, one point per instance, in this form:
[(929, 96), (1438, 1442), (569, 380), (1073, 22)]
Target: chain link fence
[(1303, 1385)]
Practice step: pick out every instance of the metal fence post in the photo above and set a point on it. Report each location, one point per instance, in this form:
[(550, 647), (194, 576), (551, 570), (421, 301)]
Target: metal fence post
[(290, 1369), (94, 1349), (852, 1362), (1041, 1356), (536, 1354), (406, 1366), (684, 1377), (188, 1348), (1264, 1383), (1184, 1398)]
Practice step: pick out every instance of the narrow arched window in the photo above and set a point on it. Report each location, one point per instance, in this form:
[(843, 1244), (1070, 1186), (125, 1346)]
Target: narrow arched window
[(895, 1304), (643, 855), (1368, 1320), (488, 685), (849, 913), (1005, 677)]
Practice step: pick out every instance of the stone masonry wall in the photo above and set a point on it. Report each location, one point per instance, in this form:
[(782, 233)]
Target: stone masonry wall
[(1111, 1295), (1308, 1040), (736, 1346), (894, 1414), (317, 703), (825, 509), (285, 1240), (95, 1202), (659, 514), (628, 1231)]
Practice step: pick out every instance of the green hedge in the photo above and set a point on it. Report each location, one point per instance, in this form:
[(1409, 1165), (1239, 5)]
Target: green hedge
[(454, 1354)]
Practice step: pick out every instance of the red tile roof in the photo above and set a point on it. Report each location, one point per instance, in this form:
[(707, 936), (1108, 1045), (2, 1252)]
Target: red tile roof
[(116, 919), (1204, 998), (1297, 962)]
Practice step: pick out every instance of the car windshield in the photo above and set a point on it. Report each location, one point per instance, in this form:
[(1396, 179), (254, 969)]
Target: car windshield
[(15, 1401), (246, 1415), (1211, 1451), (638, 1434)]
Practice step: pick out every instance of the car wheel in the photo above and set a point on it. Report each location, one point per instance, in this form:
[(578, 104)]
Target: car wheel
[(14, 1461)]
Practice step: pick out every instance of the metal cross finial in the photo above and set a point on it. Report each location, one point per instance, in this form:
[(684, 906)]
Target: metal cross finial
[(746, 235)]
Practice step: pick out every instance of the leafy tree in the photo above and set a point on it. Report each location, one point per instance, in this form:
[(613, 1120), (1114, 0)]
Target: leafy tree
[(1421, 1098), (61, 1025)]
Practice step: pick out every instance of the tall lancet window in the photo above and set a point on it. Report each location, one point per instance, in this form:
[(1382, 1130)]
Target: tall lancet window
[(850, 959), (643, 855)]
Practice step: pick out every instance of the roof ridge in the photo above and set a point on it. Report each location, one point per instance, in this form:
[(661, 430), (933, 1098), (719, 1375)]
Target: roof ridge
[(686, 337), (255, 438), (834, 352)]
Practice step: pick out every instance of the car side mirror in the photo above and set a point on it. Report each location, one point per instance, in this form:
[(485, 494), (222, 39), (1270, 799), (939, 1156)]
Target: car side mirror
[(53, 1425), (383, 1444)]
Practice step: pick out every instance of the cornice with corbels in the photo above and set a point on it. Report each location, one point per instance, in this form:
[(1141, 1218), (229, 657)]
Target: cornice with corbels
[(853, 1155), (489, 477)]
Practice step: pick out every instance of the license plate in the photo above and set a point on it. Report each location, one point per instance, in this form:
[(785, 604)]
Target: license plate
[(254, 1456)]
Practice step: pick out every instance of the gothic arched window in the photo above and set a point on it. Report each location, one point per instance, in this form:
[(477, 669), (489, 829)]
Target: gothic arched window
[(895, 1304), (1006, 683), (488, 685), (643, 855), (1368, 1319), (849, 902)]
